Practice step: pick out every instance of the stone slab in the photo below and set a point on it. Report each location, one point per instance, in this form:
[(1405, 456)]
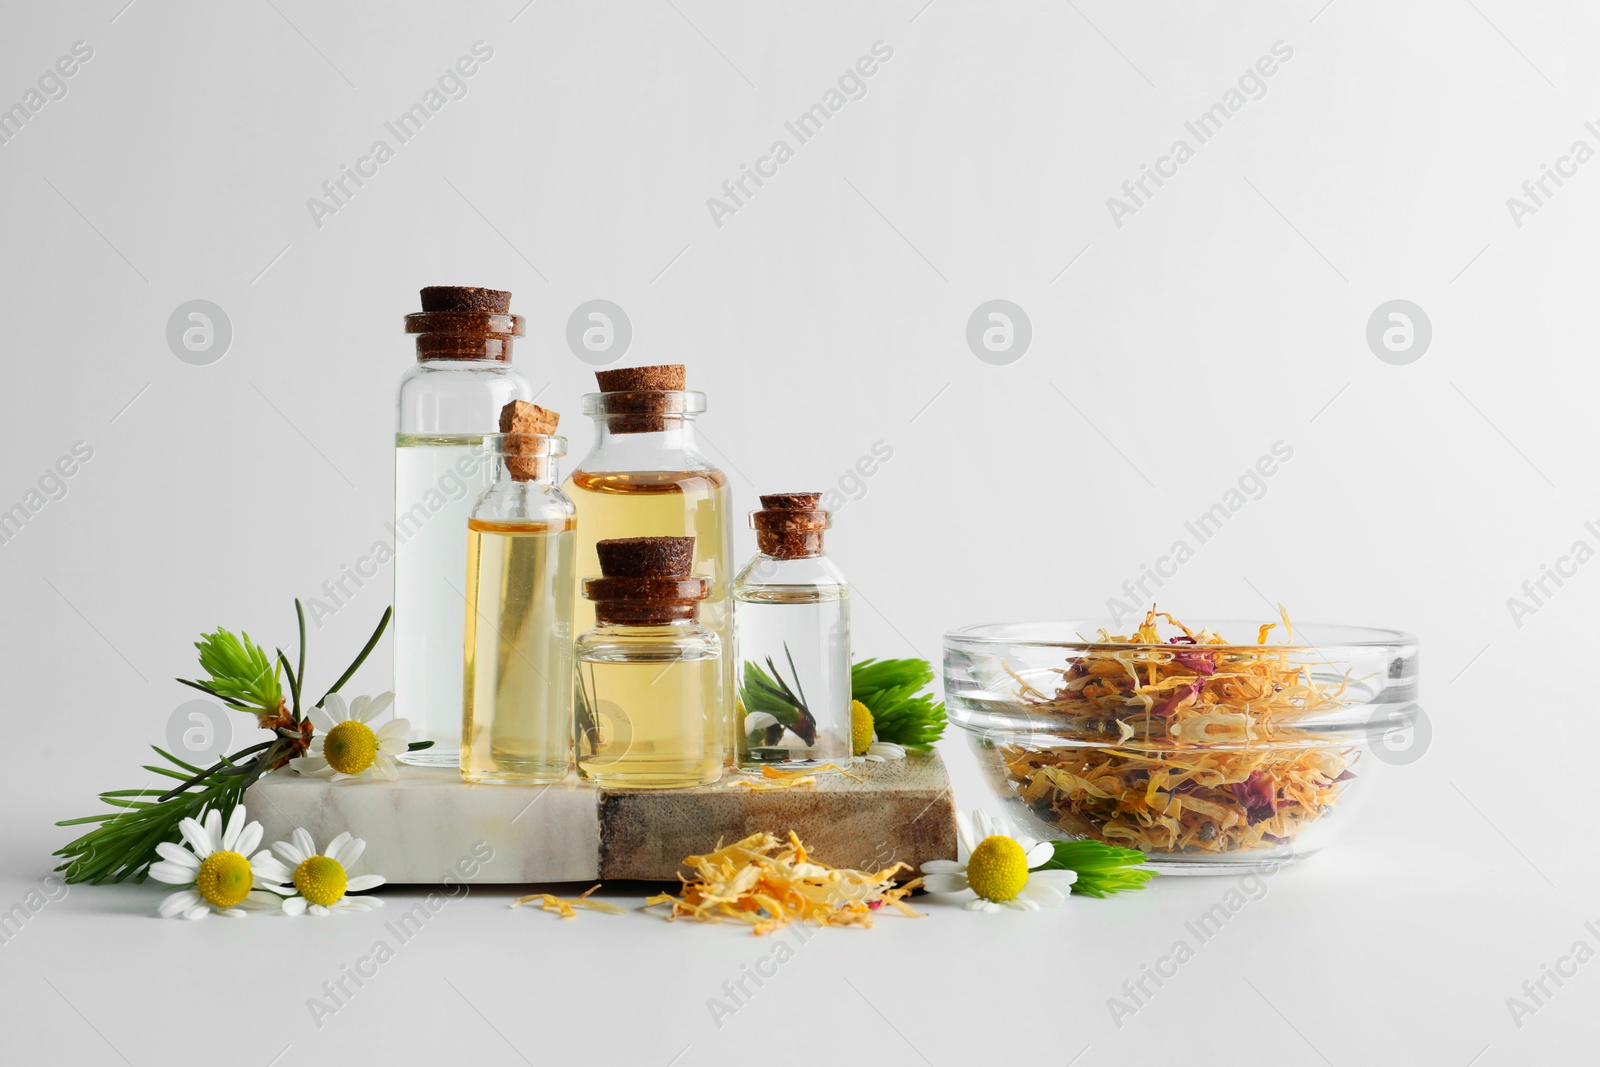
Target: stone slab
[(901, 810), (431, 828)]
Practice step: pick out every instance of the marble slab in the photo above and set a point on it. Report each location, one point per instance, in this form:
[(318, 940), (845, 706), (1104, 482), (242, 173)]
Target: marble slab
[(431, 828)]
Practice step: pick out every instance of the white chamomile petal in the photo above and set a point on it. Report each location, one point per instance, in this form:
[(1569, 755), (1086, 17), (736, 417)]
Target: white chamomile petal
[(942, 867), (232, 830), (964, 834), (196, 835), (311, 766), (294, 906), (289, 852), (379, 704), (362, 882), (384, 768), (249, 839), (979, 904), (199, 911), (268, 868), (349, 853), (213, 825), (178, 902), (173, 873), (321, 720), (317, 909), (173, 852), (1057, 879), (336, 708), (392, 729), (1022, 904), (946, 883), (358, 709), (1040, 853), (885, 750), (260, 899), (334, 846), (758, 720), (303, 841), (1042, 895)]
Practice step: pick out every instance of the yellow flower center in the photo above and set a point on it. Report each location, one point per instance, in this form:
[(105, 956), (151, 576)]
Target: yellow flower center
[(320, 880), (860, 728), (350, 747), (997, 869), (224, 879)]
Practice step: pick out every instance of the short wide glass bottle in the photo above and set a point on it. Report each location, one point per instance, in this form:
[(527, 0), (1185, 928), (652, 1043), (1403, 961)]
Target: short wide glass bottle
[(649, 672), (646, 476), (792, 625), (516, 721)]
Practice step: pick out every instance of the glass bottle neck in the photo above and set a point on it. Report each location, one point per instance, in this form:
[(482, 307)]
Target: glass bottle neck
[(674, 446)]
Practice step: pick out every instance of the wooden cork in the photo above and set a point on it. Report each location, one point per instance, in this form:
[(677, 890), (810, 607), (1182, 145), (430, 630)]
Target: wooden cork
[(662, 378), (637, 396), (465, 298), (464, 322), (527, 458), (645, 581), (790, 525)]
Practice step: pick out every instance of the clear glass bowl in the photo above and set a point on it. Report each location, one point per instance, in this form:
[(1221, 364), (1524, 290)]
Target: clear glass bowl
[(1208, 757)]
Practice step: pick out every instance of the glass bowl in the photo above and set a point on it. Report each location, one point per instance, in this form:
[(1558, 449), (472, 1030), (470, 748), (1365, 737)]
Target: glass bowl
[(1208, 757)]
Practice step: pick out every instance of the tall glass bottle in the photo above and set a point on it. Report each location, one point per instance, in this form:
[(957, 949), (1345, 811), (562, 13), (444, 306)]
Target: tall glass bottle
[(448, 403), (649, 672), (516, 717), (646, 476), (792, 625)]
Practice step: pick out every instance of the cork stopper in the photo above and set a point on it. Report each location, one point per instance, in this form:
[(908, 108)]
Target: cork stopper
[(527, 458), (640, 396), (465, 298), (464, 322), (669, 376), (790, 525), (645, 581)]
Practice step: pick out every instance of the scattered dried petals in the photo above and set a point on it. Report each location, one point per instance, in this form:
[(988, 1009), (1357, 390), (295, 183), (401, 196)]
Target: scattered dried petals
[(767, 884), (567, 907)]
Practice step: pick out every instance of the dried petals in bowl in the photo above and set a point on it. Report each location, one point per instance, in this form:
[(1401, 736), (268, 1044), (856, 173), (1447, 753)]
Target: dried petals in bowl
[(1201, 753)]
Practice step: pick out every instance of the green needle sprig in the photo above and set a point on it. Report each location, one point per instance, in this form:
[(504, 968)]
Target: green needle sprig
[(240, 674), (892, 689), (1102, 869)]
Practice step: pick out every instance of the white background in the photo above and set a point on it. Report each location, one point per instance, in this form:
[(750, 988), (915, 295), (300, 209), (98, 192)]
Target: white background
[(829, 313)]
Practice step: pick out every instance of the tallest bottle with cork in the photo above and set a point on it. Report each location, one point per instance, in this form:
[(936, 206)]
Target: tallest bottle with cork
[(448, 403), (646, 477)]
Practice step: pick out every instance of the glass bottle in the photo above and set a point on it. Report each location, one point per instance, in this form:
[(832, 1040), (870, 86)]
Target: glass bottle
[(646, 476), (792, 626), (448, 402), (516, 717), (650, 673)]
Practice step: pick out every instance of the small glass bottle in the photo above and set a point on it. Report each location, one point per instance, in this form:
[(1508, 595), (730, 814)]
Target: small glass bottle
[(516, 718), (448, 403), (792, 621), (646, 476), (650, 674)]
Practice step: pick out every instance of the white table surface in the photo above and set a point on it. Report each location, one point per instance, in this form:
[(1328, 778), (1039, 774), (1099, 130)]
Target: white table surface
[(1398, 944)]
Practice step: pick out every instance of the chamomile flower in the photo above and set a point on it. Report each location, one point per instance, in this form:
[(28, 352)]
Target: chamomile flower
[(214, 869), (993, 864), (864, 744), (321, 880), (346, 746)]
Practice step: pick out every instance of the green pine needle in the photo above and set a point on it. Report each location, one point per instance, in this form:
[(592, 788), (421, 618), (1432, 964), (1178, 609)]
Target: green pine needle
[(242, 675), (1102, 869), (901, 713)]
